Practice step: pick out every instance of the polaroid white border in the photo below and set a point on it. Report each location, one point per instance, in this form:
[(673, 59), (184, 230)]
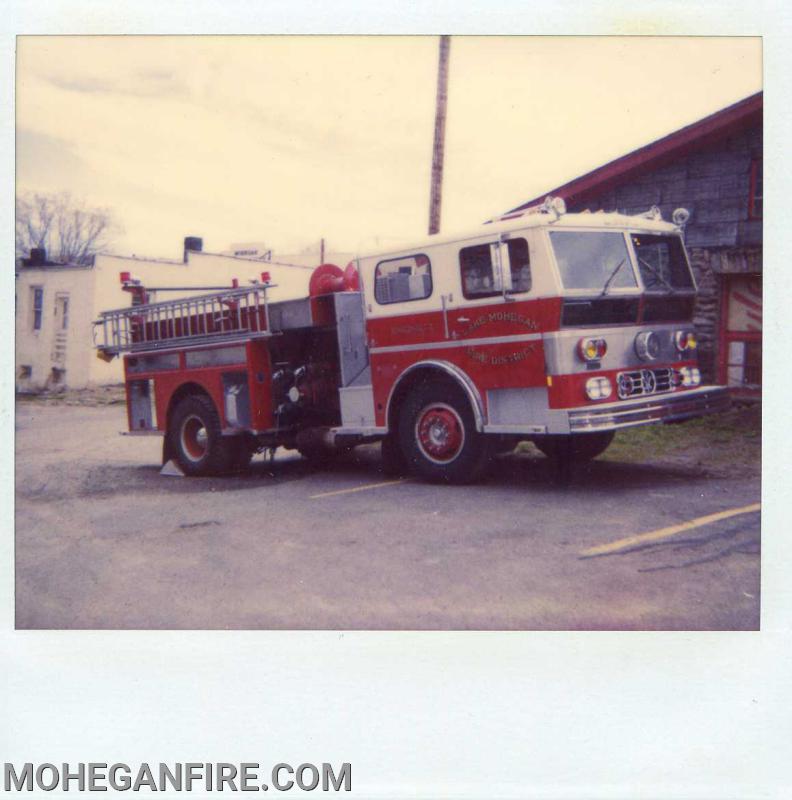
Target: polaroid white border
[(454, 715)]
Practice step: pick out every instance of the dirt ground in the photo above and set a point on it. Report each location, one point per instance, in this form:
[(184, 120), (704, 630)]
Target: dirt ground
[(104, 541)]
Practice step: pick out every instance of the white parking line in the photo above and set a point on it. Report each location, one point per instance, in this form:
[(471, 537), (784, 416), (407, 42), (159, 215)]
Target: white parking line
[(664, 533), (364, 488)]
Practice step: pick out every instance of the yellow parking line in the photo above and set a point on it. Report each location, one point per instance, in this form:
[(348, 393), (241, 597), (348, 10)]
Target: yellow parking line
[(358, 489), (663, 533)]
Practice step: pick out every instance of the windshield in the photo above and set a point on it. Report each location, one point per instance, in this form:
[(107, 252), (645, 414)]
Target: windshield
[(593, 260), (662, 262)]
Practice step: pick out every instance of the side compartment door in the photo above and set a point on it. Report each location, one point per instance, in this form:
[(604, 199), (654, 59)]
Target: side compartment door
[(351, 331)]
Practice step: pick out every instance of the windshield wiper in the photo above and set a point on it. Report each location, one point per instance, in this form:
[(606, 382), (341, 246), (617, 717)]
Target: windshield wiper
[(657, 275), (610, 278)]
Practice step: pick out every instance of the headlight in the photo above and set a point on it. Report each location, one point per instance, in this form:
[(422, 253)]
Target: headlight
[(691, 376), (647, 345), (598, 388), (685, 340), (592, 349)]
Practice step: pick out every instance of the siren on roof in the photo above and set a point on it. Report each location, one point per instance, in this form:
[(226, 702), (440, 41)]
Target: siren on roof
[(654, 213), (551, 205), (554, 205), (680, 216)]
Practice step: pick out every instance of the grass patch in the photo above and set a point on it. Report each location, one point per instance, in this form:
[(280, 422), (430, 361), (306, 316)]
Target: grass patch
[(728, 444), (731, 438)]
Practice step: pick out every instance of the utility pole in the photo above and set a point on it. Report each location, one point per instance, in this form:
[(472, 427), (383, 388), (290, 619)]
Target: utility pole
[(439, 136)]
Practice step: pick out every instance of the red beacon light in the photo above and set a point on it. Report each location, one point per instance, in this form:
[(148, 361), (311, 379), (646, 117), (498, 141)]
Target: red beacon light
[(265, 277), (134, 287)]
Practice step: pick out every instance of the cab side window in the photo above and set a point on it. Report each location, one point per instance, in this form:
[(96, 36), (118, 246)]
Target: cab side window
[(402, 279), (478, 271)]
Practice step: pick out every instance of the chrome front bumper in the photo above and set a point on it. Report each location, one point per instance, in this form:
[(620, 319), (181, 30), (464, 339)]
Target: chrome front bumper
[(670, 407)]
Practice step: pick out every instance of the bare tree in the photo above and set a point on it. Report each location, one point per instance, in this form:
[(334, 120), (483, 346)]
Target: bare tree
[(70, 231)]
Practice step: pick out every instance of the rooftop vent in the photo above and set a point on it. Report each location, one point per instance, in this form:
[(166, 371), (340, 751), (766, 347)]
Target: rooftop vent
[(192, 244), (38, 257)]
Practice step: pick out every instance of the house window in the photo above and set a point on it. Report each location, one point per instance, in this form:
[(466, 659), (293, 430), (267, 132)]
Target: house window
[(756, 190), (402, 279), (478, 272), (37, 306), (61, 312)]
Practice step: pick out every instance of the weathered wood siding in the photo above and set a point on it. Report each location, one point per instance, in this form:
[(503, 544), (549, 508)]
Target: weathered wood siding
[(714, 184)]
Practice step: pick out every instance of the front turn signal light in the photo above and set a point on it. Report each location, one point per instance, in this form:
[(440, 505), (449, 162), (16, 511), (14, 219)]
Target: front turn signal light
[(592, 349), (685, 340)]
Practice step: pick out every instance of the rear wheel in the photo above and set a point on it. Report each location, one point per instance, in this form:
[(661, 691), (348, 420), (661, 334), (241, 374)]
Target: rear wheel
[(196, 440), (575, 447), (438, 437)]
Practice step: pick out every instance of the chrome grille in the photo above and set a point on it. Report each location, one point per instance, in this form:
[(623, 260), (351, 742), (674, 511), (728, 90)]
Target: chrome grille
[(641, 382)]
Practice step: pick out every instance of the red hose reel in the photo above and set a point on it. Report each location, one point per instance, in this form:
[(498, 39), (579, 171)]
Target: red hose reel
[(328, 278)]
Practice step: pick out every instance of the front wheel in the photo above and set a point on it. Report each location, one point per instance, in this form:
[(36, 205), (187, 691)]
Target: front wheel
[(575, 447), (438, 437)]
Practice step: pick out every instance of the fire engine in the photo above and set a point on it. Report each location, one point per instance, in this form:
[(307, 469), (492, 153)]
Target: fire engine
[(542, 325)]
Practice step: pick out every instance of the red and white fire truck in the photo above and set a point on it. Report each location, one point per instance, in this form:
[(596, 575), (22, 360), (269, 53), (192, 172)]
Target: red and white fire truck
[(544, 326)]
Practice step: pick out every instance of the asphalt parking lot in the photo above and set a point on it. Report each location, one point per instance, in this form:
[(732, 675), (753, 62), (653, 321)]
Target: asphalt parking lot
[(104, 541)]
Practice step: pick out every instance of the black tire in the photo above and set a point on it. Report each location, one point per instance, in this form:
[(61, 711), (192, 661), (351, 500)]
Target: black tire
[(438, 437), (195, 439), (575, 448)]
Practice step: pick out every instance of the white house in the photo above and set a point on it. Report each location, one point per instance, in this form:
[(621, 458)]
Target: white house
[(57, 303)]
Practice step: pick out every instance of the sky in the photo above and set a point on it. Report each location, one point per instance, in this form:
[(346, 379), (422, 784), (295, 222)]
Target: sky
[(288, 139)]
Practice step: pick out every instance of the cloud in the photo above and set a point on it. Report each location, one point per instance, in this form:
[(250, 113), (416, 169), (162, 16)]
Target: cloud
[(148, 83), (81, 84)]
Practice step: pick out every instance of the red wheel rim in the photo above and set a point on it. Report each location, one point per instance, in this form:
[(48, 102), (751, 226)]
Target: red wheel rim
[(194, 438), (440, 433)]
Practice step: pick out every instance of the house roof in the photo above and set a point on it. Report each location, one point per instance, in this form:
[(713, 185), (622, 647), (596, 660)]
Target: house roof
[(743, 114)]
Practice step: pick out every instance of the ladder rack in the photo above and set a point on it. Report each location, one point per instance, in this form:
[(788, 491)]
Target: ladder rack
[(228, 315)]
